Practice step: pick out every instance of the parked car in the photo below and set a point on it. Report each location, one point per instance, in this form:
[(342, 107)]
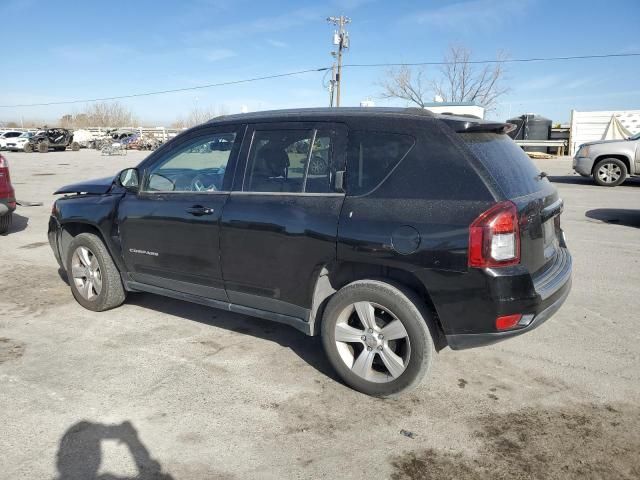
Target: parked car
[(7, 136), (609, 162), (57, 139), (7, 196), (423, 231), (18, 143)]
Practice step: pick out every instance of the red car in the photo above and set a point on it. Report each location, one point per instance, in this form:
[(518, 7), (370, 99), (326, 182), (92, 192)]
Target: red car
[(7, 196)]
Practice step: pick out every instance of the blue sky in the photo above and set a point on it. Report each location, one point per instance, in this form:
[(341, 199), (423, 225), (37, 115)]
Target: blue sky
[(80, 50)]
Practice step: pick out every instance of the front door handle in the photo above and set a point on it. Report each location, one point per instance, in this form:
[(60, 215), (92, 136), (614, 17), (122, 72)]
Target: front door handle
[(199, 210)]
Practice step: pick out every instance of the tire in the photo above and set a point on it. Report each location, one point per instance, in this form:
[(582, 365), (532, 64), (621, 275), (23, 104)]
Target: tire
[(388, 303), (28, 148), (43, 147), (5, 222), (111, 293), (609, 172), (75, 146)]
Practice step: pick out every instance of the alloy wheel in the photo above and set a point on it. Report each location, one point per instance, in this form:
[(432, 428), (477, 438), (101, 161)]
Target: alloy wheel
[(372, 342), (609, 173), (86, 273)]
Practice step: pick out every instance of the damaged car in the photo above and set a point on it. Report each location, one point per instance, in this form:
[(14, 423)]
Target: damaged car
[(57, 139), (365, 247)]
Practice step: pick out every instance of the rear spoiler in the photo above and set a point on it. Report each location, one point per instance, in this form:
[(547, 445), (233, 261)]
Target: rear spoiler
[(464, 125)]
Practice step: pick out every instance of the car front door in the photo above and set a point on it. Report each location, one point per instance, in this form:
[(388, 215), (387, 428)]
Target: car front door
[(279, 225), (170, 230)]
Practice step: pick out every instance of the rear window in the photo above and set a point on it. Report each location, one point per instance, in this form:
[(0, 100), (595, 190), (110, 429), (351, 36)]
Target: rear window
[(372, 156), (512, 169)]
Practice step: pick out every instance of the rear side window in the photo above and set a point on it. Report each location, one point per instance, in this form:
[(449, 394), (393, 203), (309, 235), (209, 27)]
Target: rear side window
[(293, 161), (371, 157), (512, 169)]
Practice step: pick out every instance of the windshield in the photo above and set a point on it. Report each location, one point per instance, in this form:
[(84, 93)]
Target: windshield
[(27, 134)]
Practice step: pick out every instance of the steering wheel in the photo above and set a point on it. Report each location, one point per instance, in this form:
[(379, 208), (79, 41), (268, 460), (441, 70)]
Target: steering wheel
[(198, 184)]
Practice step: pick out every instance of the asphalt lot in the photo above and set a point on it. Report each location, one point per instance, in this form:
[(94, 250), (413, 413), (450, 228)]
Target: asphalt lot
[(165, 386)]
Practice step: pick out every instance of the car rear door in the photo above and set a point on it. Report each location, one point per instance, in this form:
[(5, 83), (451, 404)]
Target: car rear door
[(280, 222), (170, 230)]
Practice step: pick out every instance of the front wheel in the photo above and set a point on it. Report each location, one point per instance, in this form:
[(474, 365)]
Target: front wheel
[(94, 279), (609, 172), (376, 337)]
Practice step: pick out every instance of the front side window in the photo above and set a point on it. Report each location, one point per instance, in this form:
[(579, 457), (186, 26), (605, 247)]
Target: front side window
[(371, 157), (198, 165), (293, 161)]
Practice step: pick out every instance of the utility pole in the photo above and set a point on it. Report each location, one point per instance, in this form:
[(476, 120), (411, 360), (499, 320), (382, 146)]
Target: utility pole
[(332, 84), (341, 40)]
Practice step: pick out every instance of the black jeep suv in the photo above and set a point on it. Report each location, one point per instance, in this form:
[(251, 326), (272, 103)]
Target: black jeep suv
[(392, 233)]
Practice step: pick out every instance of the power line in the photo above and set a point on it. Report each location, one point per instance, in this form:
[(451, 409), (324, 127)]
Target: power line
[(321, 69), (510, 60), (174, 90)]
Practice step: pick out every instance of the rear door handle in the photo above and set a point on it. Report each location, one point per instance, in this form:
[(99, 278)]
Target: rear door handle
[(199, 210)]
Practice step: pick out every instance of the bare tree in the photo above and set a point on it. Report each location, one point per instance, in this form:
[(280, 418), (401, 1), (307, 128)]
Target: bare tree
[(459, 80), (101, 114), (406, 84), (199, 115), (463, 81)]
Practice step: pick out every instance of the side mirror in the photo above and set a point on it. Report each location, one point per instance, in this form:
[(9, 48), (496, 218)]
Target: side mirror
[(129, 179)]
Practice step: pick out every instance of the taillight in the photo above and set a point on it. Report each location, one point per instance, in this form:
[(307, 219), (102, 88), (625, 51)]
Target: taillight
[(494, 237), (507, 322)]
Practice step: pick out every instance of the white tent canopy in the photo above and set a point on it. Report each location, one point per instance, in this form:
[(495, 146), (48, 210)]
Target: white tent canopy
[(615, 130)]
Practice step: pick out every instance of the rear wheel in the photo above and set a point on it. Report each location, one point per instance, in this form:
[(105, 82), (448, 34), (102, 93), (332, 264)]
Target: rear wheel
[(75, 146), (94, 279), (376, 337), (609, 172), (43, 147), (5, 222)]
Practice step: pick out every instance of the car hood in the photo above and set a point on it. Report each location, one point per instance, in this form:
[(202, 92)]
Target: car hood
[(97, 186), (601, 142)]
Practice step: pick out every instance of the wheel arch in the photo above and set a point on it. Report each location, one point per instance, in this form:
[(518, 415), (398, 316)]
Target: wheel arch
[(623, 158), (332, 278), (70, 230)]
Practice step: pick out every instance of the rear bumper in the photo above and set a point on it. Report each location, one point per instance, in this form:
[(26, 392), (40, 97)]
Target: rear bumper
[(7, 205), (552, 288)]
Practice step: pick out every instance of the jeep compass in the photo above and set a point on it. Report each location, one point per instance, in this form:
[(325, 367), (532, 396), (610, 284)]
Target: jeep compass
[(392, 233)]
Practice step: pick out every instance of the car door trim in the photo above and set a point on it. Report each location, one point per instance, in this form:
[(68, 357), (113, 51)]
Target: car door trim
[(297, 323), (290, 194)]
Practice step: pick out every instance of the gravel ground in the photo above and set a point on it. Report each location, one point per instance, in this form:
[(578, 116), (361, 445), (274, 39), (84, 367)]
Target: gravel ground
[(180, 391)]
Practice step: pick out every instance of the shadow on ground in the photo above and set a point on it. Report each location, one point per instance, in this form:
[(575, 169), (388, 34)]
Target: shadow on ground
[(80, 452), (307, 348), (617, 216), (579, 180), (18, 224)]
